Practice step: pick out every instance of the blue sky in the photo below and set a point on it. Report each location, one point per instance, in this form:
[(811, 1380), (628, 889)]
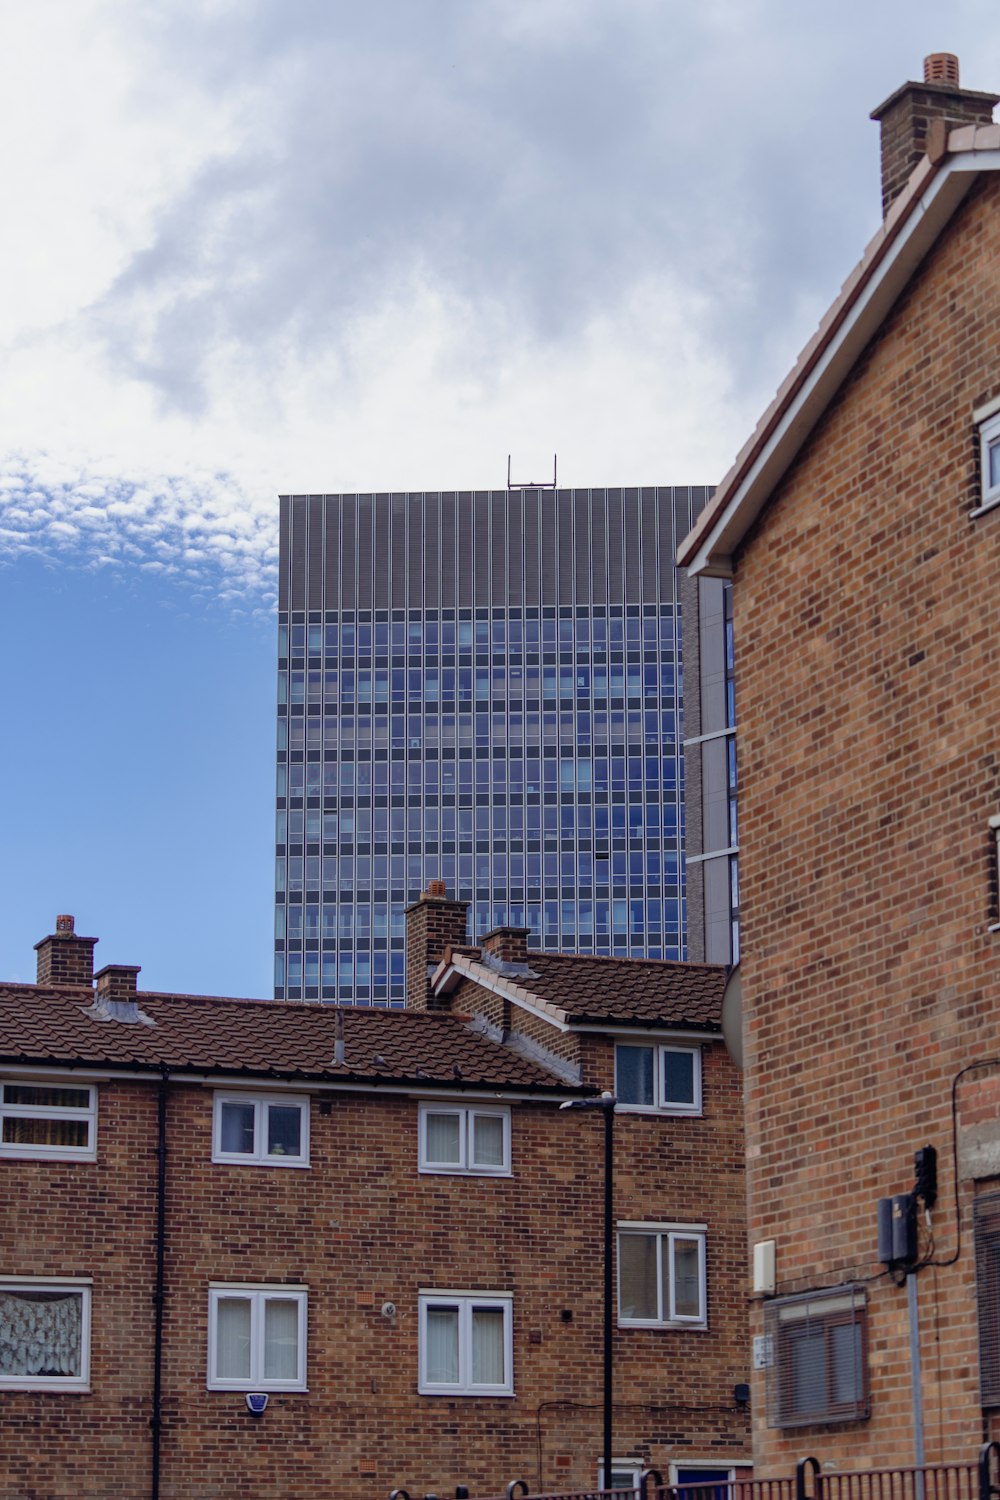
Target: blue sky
[(254, 247)]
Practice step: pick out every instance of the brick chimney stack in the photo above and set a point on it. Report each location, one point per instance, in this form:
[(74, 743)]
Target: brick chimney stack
[(907, 116), (117, 981), (433, 923), (65, 958), (509, 944)]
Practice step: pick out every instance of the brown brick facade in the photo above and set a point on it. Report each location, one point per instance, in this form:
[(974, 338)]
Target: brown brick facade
[(359, 1228), (866, 624)]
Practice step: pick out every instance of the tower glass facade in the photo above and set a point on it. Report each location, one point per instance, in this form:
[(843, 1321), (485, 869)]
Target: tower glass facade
[(483, 688)]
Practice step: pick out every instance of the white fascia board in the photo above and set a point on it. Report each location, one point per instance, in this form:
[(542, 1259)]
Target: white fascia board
[(879, 292)]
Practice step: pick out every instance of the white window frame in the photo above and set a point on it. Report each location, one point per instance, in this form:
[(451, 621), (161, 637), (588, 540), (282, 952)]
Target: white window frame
[(261, 1103), (75, 1284), (989, 439), (633, 1467), (467, 1115), (667, 1316), (28, 1150), (258, 1295), (466, 1302), (661, 1105)]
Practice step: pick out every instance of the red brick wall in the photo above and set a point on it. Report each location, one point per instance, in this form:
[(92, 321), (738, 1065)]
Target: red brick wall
[(867, 618), (359, 1228)]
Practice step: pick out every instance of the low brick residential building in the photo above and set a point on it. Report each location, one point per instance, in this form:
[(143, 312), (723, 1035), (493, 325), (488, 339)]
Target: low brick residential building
[(381, 1221), (859, 526)]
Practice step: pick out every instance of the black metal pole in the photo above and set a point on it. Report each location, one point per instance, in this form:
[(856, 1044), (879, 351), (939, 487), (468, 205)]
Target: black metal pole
[(608, 1110)]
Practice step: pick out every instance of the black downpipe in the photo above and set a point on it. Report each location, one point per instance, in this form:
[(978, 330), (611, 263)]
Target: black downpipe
[(156, 1420)]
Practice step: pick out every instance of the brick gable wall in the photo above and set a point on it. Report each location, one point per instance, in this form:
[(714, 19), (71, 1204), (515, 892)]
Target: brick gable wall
[(867, 617)]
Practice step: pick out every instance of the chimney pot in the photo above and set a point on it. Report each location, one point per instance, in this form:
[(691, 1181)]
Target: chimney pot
[(941, 67), (433, 923), (917, 119), (64, 957)]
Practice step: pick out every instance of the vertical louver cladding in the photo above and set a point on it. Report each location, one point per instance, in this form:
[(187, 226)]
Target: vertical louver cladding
[(986, 1219), (817, 1357), (480, 687)]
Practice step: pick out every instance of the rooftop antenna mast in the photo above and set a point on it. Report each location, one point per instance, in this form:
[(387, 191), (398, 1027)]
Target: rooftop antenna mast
[(534, 484)]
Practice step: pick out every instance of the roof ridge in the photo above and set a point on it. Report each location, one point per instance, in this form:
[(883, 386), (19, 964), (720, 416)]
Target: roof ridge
[(621, 958)]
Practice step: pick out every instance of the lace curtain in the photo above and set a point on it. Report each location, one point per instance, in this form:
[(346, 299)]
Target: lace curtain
[(40, 1332)]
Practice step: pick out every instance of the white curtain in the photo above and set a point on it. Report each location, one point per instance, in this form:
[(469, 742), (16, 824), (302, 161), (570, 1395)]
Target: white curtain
[(488, 1141), (40, 1332), (232, 1338), (637, 1275), (281, 1339), (442, 1345), (443, 1140), (487, 1346)]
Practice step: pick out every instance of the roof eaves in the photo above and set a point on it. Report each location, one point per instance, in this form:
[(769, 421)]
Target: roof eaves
[(913, 223)]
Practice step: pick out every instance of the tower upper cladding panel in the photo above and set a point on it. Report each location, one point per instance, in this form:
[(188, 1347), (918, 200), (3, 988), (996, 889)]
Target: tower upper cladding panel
[(455, 549)]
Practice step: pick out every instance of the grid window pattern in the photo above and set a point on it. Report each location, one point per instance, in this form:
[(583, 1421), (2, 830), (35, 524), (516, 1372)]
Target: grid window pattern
[(523, 745)]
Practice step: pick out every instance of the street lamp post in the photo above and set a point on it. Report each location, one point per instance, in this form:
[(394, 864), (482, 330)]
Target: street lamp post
[(606, 1104)]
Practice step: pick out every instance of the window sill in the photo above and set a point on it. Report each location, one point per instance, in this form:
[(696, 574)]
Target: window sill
[(993, 927), (13, 1153), (283, 1163), (692, 1327), (50, 1387), (426, 1171), (990, 503), (671, 1111), (240, 1388), (451, 1392)]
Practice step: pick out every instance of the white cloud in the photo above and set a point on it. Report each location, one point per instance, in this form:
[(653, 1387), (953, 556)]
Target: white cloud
[(256, 248)]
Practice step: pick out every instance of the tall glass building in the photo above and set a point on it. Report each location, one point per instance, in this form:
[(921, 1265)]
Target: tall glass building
[(482, 687)]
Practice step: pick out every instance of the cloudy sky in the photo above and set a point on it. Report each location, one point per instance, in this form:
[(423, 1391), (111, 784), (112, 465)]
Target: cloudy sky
[(254, 246)]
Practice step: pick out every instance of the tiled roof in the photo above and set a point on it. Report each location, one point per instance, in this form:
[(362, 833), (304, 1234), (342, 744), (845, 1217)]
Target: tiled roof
[(261, 1038), (581, 989)]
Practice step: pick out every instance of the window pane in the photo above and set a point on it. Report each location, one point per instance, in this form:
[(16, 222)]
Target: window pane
[(442, 1345), (40, 1333), (46, 1096), (237, 1127), (443, 1139), (284, 1130), (487, 1147), (994, 464), (678, 1077), (36, 1132), (637, 1276), (634, 1074), (808, 1372), (281, 1338), (845, 1341), (487, 1346), (232, 1348), (687, 1290)]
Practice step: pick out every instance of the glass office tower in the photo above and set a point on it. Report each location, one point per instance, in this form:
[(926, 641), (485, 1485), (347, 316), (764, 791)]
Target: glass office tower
[(481, 687)]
